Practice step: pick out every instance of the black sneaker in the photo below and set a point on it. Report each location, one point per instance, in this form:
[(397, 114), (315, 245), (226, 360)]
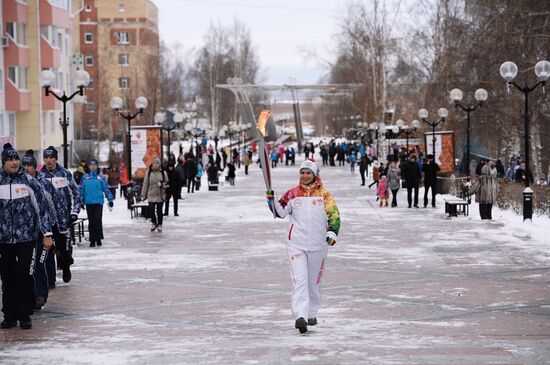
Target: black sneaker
[(51, 285), (39, 303), (99, 243), (153, 227), (92, 243), (8, 323), (176, 215), (159, 228), (301, 325), (312, 321), (67, 274), (25, 323)]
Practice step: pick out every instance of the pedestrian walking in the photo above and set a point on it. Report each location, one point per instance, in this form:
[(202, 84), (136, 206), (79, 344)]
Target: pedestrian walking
[(40, 272), (231, 172), (352, 162), (66, 198), (394, 182), (190, 169), (314, 225), (94, 191), (24, 219), (174, 188), (430, 169), (154, 191), (411, 174), (376, 168), (247, 160), (486, 188), (383, 193), (364, 163)]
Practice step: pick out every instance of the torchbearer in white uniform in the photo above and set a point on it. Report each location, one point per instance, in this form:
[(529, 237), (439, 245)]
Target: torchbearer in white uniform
[(314, 225)]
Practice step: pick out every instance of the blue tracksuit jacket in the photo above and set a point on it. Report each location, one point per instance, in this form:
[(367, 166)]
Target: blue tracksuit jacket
[(24, 213), (65, 194)]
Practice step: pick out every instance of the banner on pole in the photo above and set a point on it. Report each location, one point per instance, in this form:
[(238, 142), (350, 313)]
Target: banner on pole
[(146, 144), (444, 150)]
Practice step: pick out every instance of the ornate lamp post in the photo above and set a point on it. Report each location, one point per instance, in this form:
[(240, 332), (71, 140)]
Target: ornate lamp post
[(82, 79), (442, 113), (116, 104), (407, 130), (509, 71), (456, 96)]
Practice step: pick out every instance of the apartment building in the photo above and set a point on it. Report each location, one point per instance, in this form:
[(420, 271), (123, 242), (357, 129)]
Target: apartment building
[(119, 47), (35, 35)]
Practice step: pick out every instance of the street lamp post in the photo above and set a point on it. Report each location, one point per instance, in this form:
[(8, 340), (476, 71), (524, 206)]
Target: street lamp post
[(456, 96), (406, 129), (82, 79), (374, 126), (116, 104), (169, 125), (509, 71), (442, 113)]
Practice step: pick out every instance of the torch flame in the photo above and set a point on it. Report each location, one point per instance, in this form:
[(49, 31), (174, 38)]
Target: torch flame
[(262, 121)]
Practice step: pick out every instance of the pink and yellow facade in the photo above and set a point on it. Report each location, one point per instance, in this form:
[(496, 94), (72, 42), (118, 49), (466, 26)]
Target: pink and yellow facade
[(36, 35)]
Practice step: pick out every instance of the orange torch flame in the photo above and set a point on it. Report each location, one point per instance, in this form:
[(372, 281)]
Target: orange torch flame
[(262, 121)]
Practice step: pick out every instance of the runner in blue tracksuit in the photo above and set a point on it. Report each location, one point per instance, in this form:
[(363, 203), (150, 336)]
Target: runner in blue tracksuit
[(24, 216), (94, 190), (28, 161), (66, 199)]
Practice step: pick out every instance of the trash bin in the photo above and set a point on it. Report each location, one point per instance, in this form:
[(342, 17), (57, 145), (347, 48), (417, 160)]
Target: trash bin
[(527, 204)]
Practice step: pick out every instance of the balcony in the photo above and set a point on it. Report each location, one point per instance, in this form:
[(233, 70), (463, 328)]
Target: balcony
[(52, 15), (15, 55), (15, 12), (50, 57), (17, 100)]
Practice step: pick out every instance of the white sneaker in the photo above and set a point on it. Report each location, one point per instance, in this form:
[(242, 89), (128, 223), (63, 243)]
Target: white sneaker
[(159, 229)]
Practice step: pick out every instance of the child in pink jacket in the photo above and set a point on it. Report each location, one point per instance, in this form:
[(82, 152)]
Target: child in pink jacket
[(383, 193)]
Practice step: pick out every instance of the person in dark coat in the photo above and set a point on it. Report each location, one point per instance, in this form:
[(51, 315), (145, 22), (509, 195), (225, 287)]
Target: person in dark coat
[(231, 172), (190, 168), (522, 174), (174, 189), (363, 168), (411, 174), (430, 169)]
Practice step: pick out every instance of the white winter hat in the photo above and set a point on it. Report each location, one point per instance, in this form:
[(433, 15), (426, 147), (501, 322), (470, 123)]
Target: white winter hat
[(311, 166)]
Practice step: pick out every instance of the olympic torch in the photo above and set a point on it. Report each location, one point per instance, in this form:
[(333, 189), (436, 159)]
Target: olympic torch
[(260, 126)]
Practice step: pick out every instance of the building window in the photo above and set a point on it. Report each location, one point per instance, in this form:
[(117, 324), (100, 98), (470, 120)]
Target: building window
[(18, 75), (90, 107), (2, 128), (11, 119), (88, 37), (1, 80), (89, 60), (121, 8), (123, 82), (87, 8), (52, 122), (17, 32), (124, 59), (122, 37)]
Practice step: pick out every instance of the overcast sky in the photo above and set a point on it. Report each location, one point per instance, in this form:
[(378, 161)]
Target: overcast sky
[(279, 28)]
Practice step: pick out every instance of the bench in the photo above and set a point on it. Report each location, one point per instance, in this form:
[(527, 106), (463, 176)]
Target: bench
[(456, 207), (77, 229)]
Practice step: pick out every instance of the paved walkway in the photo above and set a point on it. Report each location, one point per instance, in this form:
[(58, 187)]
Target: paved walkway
[(403, 286)]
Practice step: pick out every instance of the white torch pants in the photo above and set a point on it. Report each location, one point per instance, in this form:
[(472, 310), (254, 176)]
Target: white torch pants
[(307, 269)]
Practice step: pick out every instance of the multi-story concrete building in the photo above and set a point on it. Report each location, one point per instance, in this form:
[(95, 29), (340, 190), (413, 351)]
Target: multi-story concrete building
[(119, 44), (36, 35)]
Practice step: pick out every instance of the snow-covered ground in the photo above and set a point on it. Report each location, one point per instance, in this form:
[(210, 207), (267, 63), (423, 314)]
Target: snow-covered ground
[(403, 286)]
